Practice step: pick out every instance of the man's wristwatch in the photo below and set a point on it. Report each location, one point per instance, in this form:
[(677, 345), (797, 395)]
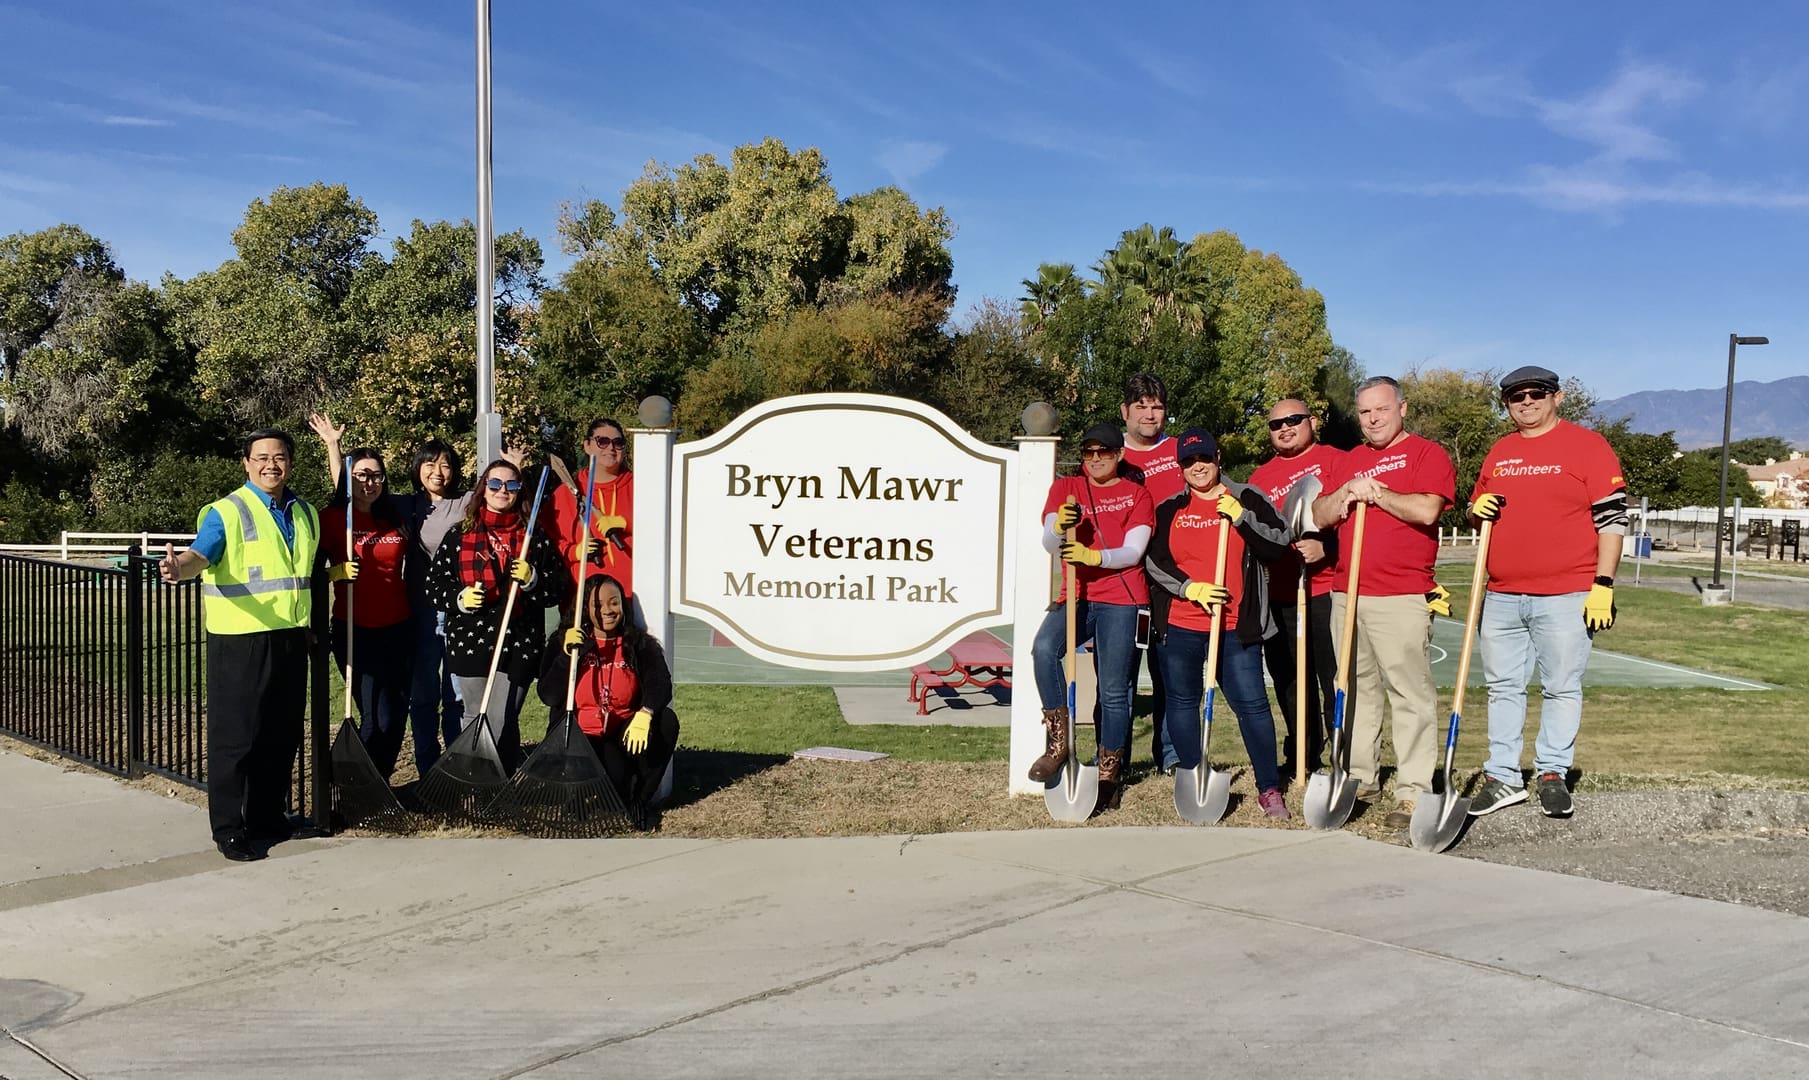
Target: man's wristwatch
[(1604, 581)]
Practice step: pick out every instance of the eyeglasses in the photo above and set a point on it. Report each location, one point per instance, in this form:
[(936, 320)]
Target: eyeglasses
[(267, 459), (1288, 421), (1096, 452), (502, 485), (370, 477), (1519, 396), (609, 440)]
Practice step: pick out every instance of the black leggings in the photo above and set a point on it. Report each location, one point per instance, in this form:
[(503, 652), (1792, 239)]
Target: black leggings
[(637, 776)]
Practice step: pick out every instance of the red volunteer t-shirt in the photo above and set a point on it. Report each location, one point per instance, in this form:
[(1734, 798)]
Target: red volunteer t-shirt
[(1397, 556), (1156, 469), (1545, 542), (604, 694), (1106, 514), (1193, 540), (380, 548), (1277, 476)]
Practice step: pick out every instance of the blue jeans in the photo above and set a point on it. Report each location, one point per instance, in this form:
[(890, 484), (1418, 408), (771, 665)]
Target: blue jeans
[(1113, 631), (1521, 634), (1240, 677), (433, 698)]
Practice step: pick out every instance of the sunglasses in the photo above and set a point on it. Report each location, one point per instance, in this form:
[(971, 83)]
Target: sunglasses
[(1096, 452), (502, 485), (1519, 396), (1288, 421), (616, 441), (370, 477), (1195, 459)]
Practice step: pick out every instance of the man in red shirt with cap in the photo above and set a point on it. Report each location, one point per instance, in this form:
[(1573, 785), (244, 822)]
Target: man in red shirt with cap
[(1555, 493)]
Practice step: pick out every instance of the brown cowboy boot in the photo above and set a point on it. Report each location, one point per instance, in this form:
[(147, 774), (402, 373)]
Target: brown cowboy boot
[(1055, 756), (1111, 766)]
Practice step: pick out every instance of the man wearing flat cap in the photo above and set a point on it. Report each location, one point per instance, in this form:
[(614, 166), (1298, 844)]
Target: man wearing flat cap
[(1112, 519), (1555, 493)]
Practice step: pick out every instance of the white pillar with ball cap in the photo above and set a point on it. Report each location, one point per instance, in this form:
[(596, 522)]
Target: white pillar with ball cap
[(652, 465), (1035, 571)]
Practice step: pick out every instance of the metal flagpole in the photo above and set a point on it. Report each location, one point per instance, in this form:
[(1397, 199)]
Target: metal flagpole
[(489, 423)]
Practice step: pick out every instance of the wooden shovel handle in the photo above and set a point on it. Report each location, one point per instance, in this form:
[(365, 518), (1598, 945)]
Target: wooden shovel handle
[(1349, 636)]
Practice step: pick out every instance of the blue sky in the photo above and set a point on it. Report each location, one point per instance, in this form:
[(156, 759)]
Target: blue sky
[(1607, 189)]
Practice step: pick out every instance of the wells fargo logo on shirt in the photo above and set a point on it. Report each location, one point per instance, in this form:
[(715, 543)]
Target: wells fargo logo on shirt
[(1111, 504), (1287, 485)]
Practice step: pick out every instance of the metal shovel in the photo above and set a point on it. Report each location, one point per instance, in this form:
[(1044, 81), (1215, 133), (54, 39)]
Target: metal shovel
[(1332, 795), (1437, 819), (1072, 793), (1298, 510), (1202, 793)]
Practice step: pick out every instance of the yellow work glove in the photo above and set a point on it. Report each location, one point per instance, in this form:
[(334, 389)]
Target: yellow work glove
[(604, 523), (1438, 601), (1488, 507), (1230, 507), (634, 740), (1598, 608), (1067, 516), (1073, 551), (573, 640), (471, 597), (522, 572), (587, 548), (1207, 594), (345, 571)]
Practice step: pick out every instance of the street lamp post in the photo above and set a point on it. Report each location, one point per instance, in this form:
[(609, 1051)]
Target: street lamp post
[(1715, 592)]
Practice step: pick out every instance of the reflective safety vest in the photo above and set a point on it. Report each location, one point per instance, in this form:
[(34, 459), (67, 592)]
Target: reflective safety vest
[(259, 581)]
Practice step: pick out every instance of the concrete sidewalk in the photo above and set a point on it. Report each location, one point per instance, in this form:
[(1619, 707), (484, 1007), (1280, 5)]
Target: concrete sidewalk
[(1098, 952)]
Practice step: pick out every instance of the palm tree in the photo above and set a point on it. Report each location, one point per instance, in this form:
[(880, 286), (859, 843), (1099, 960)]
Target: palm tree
[(1156, 272), (1055, 284)]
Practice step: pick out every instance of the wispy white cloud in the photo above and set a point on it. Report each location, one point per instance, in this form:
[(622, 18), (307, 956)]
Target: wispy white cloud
[(1611, 118), (1595, 189), (906, 160)]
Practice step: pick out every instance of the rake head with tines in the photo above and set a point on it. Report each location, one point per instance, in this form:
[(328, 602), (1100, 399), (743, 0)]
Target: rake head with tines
[(362, 799), (561, 790), (468, 776)]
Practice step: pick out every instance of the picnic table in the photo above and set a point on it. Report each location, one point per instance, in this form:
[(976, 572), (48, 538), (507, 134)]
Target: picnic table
[(979, 660)]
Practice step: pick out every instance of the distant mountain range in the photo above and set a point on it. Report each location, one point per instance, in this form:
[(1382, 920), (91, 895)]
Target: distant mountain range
[(1770, 408)]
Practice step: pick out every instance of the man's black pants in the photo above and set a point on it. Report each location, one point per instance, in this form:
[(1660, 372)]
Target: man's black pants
[(1322, 676), (256, 693)]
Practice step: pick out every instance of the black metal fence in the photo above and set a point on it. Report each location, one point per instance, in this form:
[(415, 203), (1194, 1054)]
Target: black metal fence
[(105, 664)]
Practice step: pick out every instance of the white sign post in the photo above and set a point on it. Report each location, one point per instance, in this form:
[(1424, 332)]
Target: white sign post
[(844, 532)]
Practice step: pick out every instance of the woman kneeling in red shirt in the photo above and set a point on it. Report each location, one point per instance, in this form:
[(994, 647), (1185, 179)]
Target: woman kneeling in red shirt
[(623, 696)]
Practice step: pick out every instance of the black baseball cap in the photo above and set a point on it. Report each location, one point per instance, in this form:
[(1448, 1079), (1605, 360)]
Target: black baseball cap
[(1106, 435), (1529, 375), (1196, 442)]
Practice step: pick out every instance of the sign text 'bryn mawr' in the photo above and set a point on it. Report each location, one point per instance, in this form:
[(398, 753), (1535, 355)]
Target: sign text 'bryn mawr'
[(851, 484)]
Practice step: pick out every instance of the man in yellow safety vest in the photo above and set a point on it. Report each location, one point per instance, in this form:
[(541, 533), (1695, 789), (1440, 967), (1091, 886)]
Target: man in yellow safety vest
[(255, 551)]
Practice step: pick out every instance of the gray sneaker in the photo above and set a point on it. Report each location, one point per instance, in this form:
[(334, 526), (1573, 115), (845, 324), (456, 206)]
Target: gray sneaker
[(1554, 797), (1493, 795)]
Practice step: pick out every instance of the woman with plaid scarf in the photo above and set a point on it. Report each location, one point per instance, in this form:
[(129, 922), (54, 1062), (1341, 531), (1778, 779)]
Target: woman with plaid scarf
[(470, 579)]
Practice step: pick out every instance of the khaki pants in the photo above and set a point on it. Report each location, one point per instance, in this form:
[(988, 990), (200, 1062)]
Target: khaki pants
[(1393, 633)]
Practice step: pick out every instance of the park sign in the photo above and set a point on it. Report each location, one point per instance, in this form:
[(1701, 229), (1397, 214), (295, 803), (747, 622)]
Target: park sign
[(843, 532)]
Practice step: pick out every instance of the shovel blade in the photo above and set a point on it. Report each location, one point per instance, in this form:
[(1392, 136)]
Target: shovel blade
[(1072, 793), (1435, 827), (1202, 794), (1328, 803)]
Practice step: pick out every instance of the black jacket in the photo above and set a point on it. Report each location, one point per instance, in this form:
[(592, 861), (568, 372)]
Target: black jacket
[(471, 636), (1266, 539)]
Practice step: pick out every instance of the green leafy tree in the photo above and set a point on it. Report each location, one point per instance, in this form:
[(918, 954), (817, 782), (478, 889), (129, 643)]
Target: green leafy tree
[(1268, 327), (272, 330), (1651, 464), (40, 274), (608, 336), (993, 373), (1700, 481), (1461, 411), (1757, 451)]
